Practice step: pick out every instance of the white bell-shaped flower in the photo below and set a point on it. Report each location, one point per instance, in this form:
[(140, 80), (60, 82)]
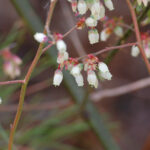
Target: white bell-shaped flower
[(40, 37), (109, 4), (79, 79), (82, 7), (106, 75), (93, 36), (61, 46), (135, 51), (75, 70), (91, 22), (118, 31), (147, 52), (92, 79), (58, 77), (102, 67), (104, 71), (97, 10), (104, 35)]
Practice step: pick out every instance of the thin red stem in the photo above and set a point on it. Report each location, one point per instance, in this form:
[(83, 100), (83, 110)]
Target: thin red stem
[(72, 29), (138, 37), (109, 49), (66, 34), (11, 82)]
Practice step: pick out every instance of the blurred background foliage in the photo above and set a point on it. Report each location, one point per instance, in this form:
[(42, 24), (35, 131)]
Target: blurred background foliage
[(65, 118)]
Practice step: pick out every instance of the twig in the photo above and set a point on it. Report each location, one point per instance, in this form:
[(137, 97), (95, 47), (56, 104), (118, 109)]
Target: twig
[(72, 29), (12, 82), (138, 37), (126, 26), (126, 35), (27, 78), (143, 83), (109, 49), (66, 34)]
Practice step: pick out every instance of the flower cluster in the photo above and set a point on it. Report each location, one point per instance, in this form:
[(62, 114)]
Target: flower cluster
[(146, 45), (11, 64), (97, 10), (110, 26), (91, 63)]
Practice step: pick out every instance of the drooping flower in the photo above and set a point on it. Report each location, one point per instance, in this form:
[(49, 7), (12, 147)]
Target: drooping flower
[(91, 22), (61, 46), (16, 60), (104, 71), (74, 5), (146, 43), (75, 70), (106, 75), (11, 70), (135, 51), (93, 36), (97, 10), (11, 64), (147, 52), (40, 37), (92, 79), (82, 7), (109, 4), (103, 67), (79, 79), (118, 31), (105, 33), (58, 77)]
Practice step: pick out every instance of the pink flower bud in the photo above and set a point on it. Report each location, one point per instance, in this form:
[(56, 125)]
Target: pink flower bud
[(9, 69), (16, 60)]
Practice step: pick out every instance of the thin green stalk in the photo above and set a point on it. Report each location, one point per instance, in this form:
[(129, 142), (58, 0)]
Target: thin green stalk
[(27, 78)]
